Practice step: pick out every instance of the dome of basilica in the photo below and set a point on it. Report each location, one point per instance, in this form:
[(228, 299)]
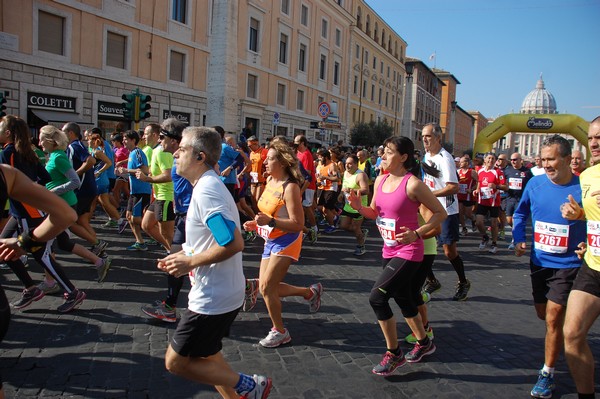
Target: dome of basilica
[(539, 101)]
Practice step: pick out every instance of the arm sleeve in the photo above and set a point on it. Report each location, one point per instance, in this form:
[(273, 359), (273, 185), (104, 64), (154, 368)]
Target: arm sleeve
[(73, 184)]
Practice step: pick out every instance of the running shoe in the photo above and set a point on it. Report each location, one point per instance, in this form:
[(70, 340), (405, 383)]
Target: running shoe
[(502, 235), (411, 339), (544, 386), (336, 220), (103, 268), (28, 296), (314, 303), (432, 286), (261, 389), (417, 353), (138, 246), (323, 222), (493, 248), (329, 229), (484, 242), (389, 363), (312, 235), (4, 266), (275, 338), (110, 224), (161, 311), (49, 288), (99, 247), (464, 231), (360, 250), (247, 235), (250, 295), (152, 242), (72, 301), (122, 225), (511, 246), (462, 289)]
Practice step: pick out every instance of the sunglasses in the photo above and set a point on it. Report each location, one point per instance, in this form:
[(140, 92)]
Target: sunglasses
[(514, 159)]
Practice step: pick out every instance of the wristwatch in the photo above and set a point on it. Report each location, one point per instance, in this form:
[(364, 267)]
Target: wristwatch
[(27, 242), (271, 222)]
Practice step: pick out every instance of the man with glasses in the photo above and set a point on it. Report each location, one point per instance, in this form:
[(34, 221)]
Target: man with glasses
[(516, 175)]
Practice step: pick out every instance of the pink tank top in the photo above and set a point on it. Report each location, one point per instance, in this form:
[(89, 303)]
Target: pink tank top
[(396, 210)]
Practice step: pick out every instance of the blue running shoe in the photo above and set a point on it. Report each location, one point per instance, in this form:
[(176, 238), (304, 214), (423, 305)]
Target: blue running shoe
[(329, 229), (544, 386)]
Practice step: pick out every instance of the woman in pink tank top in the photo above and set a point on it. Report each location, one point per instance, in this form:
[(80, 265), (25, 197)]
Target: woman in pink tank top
[(394, 206)]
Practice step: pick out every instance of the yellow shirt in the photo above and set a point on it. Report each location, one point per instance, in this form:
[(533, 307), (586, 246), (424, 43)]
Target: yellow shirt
[(590, 182)]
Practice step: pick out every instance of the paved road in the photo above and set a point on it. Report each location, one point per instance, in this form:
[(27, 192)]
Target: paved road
[(490, 346)]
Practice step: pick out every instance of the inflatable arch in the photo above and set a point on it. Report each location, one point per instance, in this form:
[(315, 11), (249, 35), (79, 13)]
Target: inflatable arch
[(532, 123)]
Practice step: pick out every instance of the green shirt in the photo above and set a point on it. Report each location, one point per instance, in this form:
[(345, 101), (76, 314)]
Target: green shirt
[(57, 166), (161, 161), (148, 151)]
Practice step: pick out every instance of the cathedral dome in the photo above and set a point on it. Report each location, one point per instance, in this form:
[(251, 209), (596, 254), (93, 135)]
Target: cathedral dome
[(539, 101)]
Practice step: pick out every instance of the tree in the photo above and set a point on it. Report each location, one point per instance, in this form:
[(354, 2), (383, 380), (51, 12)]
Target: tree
[(370, 134)]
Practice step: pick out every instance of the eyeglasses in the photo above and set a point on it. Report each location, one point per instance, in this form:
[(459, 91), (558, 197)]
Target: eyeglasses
[(515, 159)]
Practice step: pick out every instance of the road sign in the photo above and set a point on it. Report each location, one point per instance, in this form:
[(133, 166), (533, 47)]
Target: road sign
[(324, 109), (276, 117)]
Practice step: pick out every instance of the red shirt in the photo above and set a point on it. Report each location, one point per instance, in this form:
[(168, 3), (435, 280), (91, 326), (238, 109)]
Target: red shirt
[(466, 185), (306, 159), (487, 195)]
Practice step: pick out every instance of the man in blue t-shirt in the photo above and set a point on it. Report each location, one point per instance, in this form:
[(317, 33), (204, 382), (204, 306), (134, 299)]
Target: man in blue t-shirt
[(228, 163), (553, 261), (139, 191)]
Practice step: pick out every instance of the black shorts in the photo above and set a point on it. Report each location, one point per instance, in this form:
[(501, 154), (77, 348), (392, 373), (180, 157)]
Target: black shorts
[(450, 230), (327, 199), (351, 215), (493, 211), (84, 205), (163, 210), (551, 284), (511, 206), (200, 335), (137, 204), (587, 280), (466, 203), (179, 236)]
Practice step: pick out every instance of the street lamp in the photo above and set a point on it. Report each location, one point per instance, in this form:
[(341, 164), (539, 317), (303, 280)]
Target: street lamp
[(407, 114)]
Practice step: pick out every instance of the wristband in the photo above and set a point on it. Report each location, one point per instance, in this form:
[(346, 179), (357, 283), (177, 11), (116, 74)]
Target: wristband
[(26, 242)]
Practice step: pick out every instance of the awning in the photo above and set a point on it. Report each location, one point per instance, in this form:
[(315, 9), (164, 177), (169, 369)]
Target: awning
[(55, 116)]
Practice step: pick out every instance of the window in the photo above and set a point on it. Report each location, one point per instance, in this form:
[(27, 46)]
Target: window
[(254, 29), (302, 58), (285, 7), (177, 67), (280, 94), (51, 33), (338, 37), (323, 67), (355, 87), (324, 28), (381, 67), (372, 92), (180, 11), (380, 96), (283, 42), (116, 46), (357, 51), (364, 89), (374, 62), (300, 100), (251, 90), (366, 57), (336, 73), (304, 15)]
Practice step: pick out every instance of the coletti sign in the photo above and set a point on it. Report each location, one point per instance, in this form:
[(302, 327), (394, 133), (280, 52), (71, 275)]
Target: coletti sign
[(48, 101), (539, 123)]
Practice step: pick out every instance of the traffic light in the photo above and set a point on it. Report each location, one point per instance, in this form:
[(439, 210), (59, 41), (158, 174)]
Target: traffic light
[(3, 96), (144, 106), (129, 111)]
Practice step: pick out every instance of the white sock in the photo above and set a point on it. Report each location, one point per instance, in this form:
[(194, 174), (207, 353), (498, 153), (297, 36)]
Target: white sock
[(549, 370)]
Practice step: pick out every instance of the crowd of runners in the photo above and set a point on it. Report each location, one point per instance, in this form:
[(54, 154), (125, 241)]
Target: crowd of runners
[(197, 194)]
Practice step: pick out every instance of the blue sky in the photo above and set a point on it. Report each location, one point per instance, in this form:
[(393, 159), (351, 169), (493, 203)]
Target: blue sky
[(497, 49)]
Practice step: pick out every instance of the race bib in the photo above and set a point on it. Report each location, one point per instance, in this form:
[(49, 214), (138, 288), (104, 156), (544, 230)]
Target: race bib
[(515, 183), (429, 181), (551, 238), (486, 193), (254, 177), (593, 237), (387, 229), (264, 231), (462, 188)]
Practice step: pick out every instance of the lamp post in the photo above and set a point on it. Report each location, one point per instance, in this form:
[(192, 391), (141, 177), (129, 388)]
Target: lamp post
[(452, 120), (406, 113)]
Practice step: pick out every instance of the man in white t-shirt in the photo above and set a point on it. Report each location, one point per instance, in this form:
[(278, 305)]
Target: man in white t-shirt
[(445, 187), (537, 169), (212, 256)]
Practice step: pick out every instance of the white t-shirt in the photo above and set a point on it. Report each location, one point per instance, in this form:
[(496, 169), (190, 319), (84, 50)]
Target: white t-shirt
[(536, 171), (443, 162), (217, 288)]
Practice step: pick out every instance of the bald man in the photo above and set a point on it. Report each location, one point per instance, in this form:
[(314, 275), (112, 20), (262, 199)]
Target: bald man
[(517, 175), (577, 162)]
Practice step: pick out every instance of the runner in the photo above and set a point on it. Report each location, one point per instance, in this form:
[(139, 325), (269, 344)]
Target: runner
[(467, 181), (328, 177), (351, 220), (517, 176), (308, 196)]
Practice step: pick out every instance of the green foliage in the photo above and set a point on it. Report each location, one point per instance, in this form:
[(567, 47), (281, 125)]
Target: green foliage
[(370, 134)]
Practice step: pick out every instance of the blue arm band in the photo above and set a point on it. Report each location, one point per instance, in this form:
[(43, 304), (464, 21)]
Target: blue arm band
[(222, 229)]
